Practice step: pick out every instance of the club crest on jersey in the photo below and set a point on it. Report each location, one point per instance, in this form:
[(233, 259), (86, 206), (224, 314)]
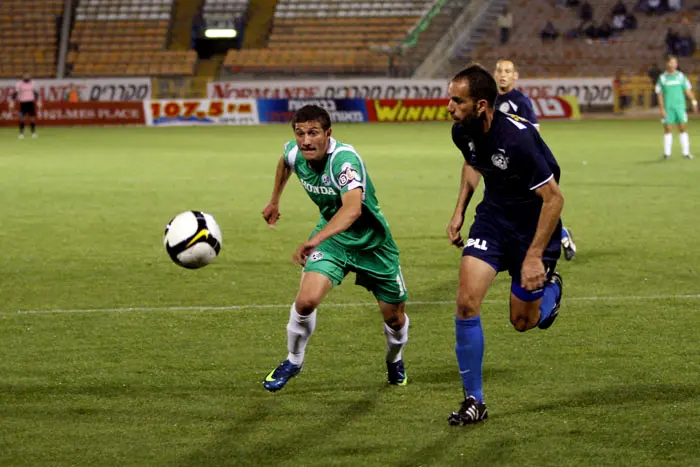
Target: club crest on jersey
[(316, 256), (504, 107), (325, 179), (500, 161), (347, 175)]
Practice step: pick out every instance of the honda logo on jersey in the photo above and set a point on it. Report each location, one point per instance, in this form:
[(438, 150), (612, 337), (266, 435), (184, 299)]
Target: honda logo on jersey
[(477, 243)]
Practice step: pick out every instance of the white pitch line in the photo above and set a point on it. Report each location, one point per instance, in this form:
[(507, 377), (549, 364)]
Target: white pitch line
[(595, 298)]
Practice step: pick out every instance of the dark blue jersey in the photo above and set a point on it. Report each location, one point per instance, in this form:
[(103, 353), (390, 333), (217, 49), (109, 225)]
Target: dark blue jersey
[(514, 161), (517, 103)]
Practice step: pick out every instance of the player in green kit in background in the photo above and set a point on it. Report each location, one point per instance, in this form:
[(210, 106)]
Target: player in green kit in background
[(672, 88), (352, 235)]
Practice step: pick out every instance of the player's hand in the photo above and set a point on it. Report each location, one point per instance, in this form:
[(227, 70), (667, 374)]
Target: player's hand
[(663, 114), (303, 251), (453, 229), (695, 107), (271, 213), (532, 274)]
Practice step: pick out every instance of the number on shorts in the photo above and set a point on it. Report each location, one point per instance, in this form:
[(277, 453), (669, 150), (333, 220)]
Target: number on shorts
[(402, 284)]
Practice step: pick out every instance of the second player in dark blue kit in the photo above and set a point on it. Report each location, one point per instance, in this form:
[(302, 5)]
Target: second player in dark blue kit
[(512, 101), (517, 227)]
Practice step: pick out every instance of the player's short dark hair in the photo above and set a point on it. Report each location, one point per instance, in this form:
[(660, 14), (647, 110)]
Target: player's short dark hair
[(312, 113), (515, 66), (482, 85), (669, 57)]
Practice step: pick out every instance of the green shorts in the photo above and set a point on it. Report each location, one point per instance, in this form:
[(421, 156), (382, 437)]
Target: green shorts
[(676, 115), (378, 269)]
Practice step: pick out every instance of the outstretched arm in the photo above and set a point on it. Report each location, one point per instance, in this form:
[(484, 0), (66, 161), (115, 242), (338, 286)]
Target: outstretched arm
[(271, 211), (470, 180)]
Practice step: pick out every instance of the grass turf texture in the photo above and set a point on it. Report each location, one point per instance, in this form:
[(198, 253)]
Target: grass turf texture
[(614, 382)]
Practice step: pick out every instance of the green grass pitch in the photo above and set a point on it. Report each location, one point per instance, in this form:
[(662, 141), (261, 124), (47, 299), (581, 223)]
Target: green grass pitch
[(112, 355)]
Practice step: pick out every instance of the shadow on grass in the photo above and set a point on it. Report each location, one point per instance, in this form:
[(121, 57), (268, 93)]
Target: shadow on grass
[(248, 441), (619, 395)]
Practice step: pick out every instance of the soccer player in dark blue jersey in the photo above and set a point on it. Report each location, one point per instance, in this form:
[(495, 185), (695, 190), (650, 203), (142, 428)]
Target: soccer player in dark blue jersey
[(516, 228), (512, 101)]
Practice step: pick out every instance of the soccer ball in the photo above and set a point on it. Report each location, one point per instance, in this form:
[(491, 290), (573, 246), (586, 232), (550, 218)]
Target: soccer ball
[(192, 239)]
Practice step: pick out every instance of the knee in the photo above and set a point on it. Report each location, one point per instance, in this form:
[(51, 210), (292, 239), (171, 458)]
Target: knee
[(522, 323), (305, 304), (468, 306), (395, 317)]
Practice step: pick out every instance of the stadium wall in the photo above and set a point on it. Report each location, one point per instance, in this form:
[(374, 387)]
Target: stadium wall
[(133, 101)]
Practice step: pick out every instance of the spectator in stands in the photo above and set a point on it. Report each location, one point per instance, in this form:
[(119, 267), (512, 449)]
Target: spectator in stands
[(619, 9), (618, 23), (675, 5), (619, 14), (72, 95), (604, 31), (198, 27), (505, 23), (549, 32), (686, 43), (671, 41), (591, 31), (586, 12), (653, 6)]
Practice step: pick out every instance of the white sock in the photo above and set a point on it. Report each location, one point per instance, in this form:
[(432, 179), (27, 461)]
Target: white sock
[(668, 142), (395, 342), (299, 330), (685, 143)]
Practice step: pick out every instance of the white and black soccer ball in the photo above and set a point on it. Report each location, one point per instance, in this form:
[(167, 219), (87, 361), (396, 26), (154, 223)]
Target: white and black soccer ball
[(192, 239)]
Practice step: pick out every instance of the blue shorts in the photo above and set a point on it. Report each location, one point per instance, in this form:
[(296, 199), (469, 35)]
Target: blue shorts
[(504, 248)]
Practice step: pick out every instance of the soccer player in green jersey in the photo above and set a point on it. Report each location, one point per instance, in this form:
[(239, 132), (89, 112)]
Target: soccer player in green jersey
[(672, 88), (352, 235)]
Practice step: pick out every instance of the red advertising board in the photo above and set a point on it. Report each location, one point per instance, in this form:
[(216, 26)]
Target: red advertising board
[(79, 113), (435, 110)]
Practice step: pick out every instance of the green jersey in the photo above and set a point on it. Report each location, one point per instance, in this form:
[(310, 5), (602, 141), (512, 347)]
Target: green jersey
[(673, 88), (343, 171)]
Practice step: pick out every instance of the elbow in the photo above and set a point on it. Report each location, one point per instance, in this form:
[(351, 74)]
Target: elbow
[(355, 213)]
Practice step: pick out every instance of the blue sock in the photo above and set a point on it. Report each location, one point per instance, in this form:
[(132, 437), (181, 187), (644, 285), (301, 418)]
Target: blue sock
[(549, 299), (564, 234), (470, 354)]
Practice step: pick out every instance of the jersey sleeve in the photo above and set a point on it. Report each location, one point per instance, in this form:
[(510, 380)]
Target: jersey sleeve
[(290, 153), (657, 89), (348, 171), (686, 83), (528, 113), (536, 164)]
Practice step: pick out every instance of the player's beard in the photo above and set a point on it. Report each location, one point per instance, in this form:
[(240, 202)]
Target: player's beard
[(474, 123)]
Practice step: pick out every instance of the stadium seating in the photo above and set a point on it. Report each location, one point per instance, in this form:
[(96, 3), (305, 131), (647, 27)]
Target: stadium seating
[(631, 52), (224, 13), (331, 36), (28, 37), (125, 38)]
